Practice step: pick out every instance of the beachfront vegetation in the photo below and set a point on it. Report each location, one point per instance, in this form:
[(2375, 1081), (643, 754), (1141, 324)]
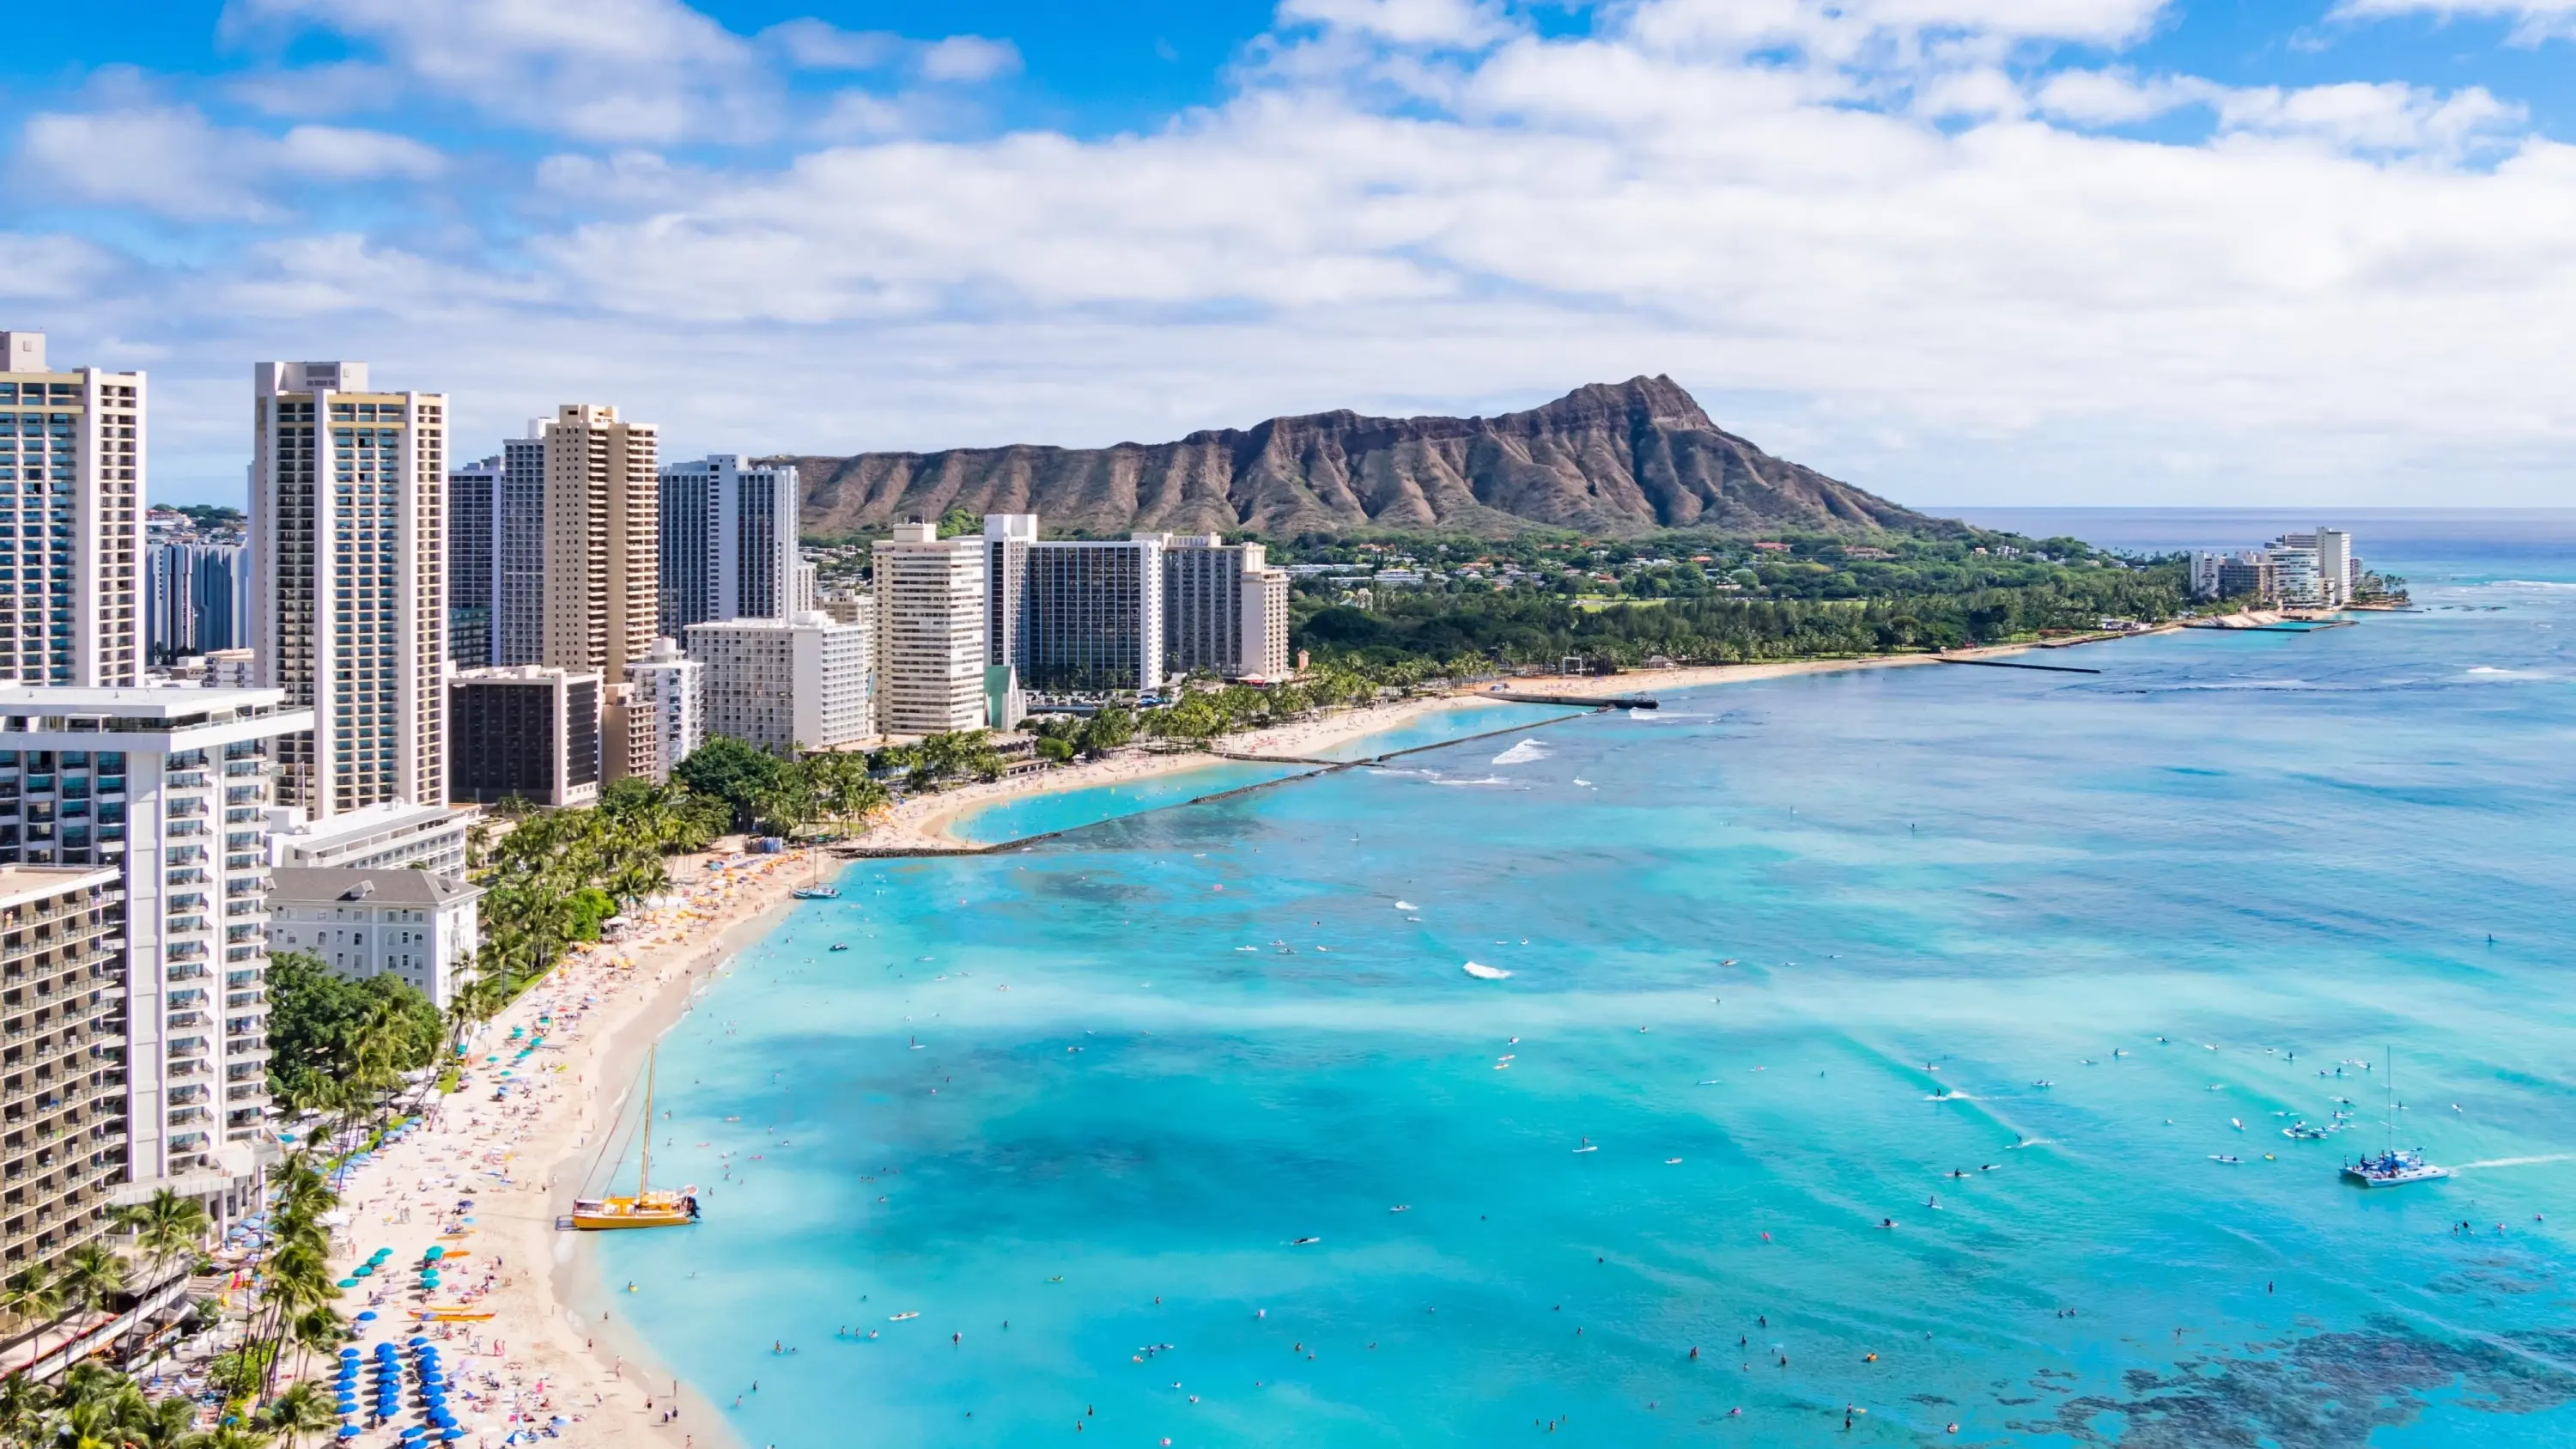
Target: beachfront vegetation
[(1788, 609), (325, 1032)]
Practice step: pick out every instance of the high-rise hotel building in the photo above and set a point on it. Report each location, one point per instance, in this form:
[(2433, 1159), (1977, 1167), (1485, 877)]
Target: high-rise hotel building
[(473, 499), (931, 629), (71, 520), (1225, 610), (602, 540), (348, 537), (728, 543), (170, 787), (602, 580)]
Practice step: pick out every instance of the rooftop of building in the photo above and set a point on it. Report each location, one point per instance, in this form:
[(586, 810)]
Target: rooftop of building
[(520, 674), (158, 702), (20, 884), (390, 818), (321, 885)]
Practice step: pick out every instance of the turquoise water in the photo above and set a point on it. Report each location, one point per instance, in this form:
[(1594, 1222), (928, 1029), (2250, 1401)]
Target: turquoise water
[(1019, 819), (2146, 890)]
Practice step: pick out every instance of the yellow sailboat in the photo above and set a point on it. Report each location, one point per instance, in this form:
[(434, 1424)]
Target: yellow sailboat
[(647, 1208)]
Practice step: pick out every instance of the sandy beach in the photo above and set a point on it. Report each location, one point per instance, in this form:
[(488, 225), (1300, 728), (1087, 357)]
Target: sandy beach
[(487, 1170)]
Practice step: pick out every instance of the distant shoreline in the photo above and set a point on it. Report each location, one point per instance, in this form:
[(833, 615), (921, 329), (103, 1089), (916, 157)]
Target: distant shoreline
[(926, 824)]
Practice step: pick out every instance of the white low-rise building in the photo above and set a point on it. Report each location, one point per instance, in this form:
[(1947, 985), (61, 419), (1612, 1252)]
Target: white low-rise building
[(379, 837), (786, 684), (362, 923), (667, 708)]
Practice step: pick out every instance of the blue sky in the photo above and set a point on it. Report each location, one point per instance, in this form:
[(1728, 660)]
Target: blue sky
[(1958, 251)]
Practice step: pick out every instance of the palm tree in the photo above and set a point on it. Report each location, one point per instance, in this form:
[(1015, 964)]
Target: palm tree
[(231, 1435), (160, 1423), (300, 1410), (23, 1404), (92, 1275), (31, 1296), (166, 1227)]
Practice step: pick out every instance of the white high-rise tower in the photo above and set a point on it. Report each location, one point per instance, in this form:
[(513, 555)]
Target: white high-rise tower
[(71, 480), (348, 540)]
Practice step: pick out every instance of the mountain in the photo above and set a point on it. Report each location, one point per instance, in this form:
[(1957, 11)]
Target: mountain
[(1606, 459)]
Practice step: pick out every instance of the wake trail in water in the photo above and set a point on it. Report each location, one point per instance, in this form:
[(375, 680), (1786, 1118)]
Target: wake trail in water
[(2518, 1161)]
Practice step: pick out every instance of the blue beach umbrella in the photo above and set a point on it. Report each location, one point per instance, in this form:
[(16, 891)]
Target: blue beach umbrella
[(346, 1352), (348, 1431), (367, 1317)]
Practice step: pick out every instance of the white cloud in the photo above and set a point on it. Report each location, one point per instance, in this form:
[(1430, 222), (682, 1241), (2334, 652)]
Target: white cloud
[(2339, 290), (820, 45), (600, 70), (2117, 97), (2534, 21), (968, 58), (50, 268), (171, 160), (2364, 117), (1450, 23)]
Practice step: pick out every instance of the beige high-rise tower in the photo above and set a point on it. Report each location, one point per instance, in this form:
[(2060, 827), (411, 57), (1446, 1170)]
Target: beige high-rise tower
[(602, 558), (71, 479), (348, 529)]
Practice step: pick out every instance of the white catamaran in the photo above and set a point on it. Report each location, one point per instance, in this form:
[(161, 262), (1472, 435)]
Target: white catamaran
[(2394, 1166)]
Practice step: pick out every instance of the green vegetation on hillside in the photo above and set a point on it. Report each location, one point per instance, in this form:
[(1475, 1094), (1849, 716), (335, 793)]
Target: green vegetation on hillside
[(1703, 599)]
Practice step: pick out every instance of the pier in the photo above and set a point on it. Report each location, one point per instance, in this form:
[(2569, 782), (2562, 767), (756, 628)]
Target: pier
[(1579, 701), (2013, 664)]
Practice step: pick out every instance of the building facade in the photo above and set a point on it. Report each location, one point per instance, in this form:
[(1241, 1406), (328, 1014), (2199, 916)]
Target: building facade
[(602, 538), (363, 923), (930, 632), (380, 837), (529, 733), (728, 541), (64, 1095), (71, 489), (519, 551), (787, 684), (1225, 610), (473, 496), (197, 599), (1092, 622), (668, 706), (172, 788), (1008, 537), (349, 551)]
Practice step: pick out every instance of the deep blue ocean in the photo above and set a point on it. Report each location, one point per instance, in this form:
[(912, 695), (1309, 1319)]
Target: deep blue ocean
[(1907, 1013)]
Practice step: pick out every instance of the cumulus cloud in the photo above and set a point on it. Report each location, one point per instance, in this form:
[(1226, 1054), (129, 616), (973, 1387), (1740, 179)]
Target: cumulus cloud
[(1843, 224), (820, 45), (601, 70), (171, 160), (1461, 23), (2534, 21)]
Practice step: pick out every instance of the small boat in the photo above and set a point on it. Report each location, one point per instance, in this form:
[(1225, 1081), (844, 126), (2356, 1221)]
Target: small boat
[(2300, 1131), (1303, 1242), (840, 945), (1588, 1146), (1485, 973), (1406, 906), (2224, 1157), (816, 893), (900, 1317), (647, 1208)]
